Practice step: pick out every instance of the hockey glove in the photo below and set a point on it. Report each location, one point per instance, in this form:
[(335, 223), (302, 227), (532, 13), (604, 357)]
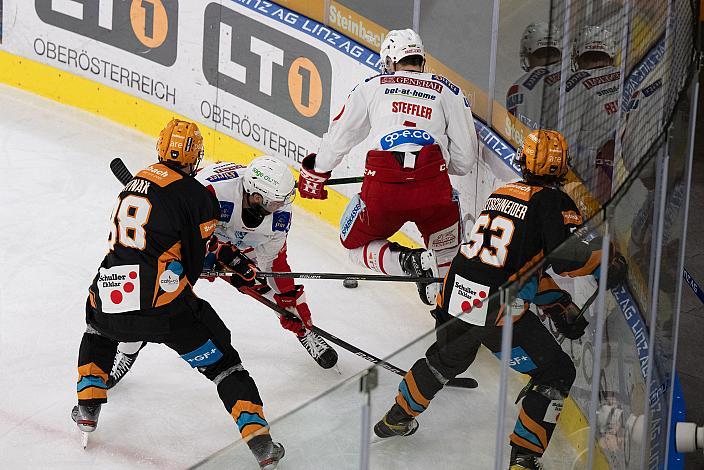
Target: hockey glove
[(295, 302), (243, 269), (618, 271), (567, 317), (310, 182)]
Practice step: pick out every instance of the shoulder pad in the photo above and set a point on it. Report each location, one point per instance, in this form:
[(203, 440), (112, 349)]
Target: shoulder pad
[(439, 78), (281, 222)]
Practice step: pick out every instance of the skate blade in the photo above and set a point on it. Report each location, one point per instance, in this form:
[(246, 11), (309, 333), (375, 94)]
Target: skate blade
[(84, 439)]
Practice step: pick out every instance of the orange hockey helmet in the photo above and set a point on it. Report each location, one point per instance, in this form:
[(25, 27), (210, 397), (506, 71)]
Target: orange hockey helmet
[(180, 142), (544, 154)]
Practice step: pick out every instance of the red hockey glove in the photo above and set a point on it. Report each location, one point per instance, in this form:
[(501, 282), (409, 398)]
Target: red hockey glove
[(566, 316), (295, 302), (243, 269), (310, 182)]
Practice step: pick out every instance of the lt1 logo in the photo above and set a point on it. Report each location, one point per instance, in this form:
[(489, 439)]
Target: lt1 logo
[(147, 28), (265, 67)]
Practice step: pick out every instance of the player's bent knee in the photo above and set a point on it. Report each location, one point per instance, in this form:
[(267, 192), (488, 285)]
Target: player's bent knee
[(211, 361), (352, 212)]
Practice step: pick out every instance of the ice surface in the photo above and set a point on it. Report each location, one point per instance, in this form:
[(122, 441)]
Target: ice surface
[(56, 196)]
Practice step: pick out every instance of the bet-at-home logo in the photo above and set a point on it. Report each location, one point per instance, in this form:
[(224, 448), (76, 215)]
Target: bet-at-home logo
[(147, 28), (265, 67)]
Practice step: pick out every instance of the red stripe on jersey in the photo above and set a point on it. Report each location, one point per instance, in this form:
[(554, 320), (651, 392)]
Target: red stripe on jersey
[(280, 264), (381, 258), (409, 124)]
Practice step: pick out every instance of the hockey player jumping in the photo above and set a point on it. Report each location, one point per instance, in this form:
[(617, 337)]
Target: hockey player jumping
[(143, 290), (520, 221), (419, 128)]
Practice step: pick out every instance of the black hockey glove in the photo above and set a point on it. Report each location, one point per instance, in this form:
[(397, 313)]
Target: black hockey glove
[(618, 271), (229, 257), (566, 317)]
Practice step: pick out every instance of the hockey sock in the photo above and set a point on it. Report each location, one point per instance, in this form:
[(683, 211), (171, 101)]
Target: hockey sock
[(417, 388), (536, 422), (377, 256)]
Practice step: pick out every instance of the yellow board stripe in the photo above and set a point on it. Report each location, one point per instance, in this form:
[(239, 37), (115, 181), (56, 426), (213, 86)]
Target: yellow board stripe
[(146, 117)]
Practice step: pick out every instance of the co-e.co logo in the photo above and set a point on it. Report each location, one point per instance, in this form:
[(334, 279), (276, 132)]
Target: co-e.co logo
[(148, 28), (265, 67)]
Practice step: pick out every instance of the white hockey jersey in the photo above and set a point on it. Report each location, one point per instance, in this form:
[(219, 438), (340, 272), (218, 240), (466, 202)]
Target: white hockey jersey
[(403, 111), (263, 243), (591, 119), (535, 96)]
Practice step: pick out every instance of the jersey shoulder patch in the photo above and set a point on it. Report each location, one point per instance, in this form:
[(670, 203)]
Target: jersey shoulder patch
[(574, 80), (453, 88), (226, 210), (281, 222), (518, 190), (159, 174)]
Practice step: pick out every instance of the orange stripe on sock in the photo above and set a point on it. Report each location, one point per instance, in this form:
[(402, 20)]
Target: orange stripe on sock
[(91, 369), (534, 427), (519, 441), (401, 401), (252, 430), (415, 393), (91, 393)]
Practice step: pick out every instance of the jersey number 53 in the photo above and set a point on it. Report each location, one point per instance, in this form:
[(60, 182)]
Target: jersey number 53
[(496, 252)]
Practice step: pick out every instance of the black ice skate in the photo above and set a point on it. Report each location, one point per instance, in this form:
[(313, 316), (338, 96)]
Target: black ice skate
[(267, 452), (395, 423), (420, 263), (524, 461), (123, 363), (319, 349)]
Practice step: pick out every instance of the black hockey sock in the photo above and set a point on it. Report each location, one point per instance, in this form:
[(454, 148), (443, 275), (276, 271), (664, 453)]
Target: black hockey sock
[(535, 424), (417, 388)]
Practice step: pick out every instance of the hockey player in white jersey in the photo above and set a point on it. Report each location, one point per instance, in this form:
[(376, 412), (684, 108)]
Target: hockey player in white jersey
[(255, 216), (592, 108), (418, 128), (535, 96)]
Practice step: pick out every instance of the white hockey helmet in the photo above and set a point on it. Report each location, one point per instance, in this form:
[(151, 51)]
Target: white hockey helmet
[(400, 43), (593, 39), (537, 36), (272, 180)]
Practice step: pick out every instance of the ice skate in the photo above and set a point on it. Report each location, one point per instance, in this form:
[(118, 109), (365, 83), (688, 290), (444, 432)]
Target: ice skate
[(395, 423), (319, 349), (267, 452), (524, 461), (421, 263), (86, 418), (123, 363)]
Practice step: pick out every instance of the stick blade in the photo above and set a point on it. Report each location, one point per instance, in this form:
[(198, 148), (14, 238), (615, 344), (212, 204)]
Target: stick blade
[(119, 169), (463, 382)]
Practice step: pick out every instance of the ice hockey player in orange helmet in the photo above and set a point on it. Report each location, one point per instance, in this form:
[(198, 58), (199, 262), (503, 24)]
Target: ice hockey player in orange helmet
[(143, 290), (525, 219)]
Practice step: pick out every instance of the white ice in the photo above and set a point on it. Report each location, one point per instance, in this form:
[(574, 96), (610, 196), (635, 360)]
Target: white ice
[(56, 194)]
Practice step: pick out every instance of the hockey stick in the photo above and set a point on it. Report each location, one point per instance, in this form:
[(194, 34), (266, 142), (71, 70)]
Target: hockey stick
[(462, 382), (119, 169), (560, 340), (347, 180), (339, 276)]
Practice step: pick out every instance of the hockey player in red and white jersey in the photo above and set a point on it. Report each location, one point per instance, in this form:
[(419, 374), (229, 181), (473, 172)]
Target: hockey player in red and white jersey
[(535, 96), (418, 128), (255, 217), (592, 108)]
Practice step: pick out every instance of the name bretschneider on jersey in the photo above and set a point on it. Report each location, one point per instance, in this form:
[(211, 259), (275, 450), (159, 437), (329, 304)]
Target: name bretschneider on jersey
[(508, 207)]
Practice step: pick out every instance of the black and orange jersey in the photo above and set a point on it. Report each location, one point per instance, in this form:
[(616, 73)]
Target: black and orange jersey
[(519, 224), (159, 228)]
